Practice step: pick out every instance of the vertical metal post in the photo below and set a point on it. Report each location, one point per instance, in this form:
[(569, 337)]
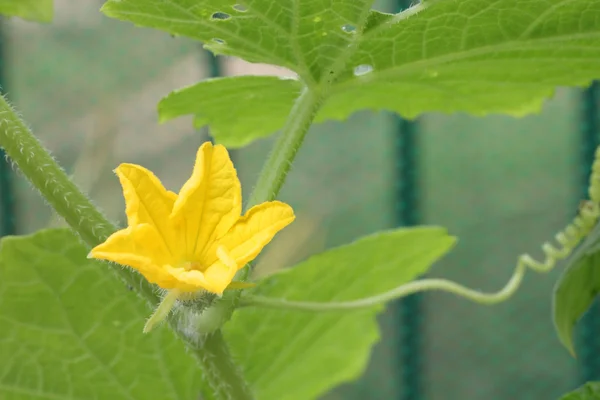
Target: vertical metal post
[(214, 71), (410, 308), (7, 203), (407, 214), (590, 327), (214, 65)]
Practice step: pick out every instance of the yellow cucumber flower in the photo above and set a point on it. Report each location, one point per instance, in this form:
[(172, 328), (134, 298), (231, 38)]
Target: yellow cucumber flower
[(195, 240)]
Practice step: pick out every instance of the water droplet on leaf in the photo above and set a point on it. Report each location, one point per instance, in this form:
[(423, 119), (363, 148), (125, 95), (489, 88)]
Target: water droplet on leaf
[(317, 19), (348, 28), (240, 8), (362, 69), (218, 41)]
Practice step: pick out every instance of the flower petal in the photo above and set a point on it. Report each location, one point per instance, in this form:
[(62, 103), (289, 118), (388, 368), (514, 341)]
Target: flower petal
[(255, 230), (188, 281), (220, 276), (139, 247), (210, 202), (147, 201), (214, 279)]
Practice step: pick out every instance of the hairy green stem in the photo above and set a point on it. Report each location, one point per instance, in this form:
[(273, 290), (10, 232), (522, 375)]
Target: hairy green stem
[(282, 155), (280, 160), (422, 285), (38, 166), (269, 183), (284, 151), (223, 376)]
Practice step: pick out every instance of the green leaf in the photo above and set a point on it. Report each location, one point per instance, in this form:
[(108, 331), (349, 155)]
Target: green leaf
[(576, 289), (272, 98), (72, 331), (304, 36), (589, 391), (33, 10), (574, 293), (476, 56), (289, 355)]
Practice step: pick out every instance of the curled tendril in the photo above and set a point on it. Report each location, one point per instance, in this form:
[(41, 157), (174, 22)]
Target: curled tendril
[(574, 233), (568, 239)]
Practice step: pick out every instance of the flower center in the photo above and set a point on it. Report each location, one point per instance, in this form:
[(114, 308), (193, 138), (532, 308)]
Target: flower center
[(192, 265)]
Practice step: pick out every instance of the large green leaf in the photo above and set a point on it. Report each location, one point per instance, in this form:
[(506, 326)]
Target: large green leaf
[(272, 98), (34, 10), (577, 288), (69, 330), (477, 56), (295, 355), (589, 391)]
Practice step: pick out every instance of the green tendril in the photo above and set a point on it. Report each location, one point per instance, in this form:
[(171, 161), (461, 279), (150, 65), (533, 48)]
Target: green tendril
[(568, 239)]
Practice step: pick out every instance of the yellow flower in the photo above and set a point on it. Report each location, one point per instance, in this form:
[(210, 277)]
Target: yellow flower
[(195, 240)]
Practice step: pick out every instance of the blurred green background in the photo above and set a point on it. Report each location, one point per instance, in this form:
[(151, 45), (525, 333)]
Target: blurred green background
[(88, 86)]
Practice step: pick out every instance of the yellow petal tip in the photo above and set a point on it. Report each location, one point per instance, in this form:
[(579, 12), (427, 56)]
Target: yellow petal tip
[(120, 167)]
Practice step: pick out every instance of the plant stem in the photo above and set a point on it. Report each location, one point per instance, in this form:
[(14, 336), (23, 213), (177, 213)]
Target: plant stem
[(421, 285), (221, 373), (38, 166), (282, 156), (218, 362), (284, 151)]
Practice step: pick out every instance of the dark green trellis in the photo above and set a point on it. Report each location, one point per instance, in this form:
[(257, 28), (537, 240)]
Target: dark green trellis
[(590, 327), (7, 204), (407, 208), (407, 214)]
